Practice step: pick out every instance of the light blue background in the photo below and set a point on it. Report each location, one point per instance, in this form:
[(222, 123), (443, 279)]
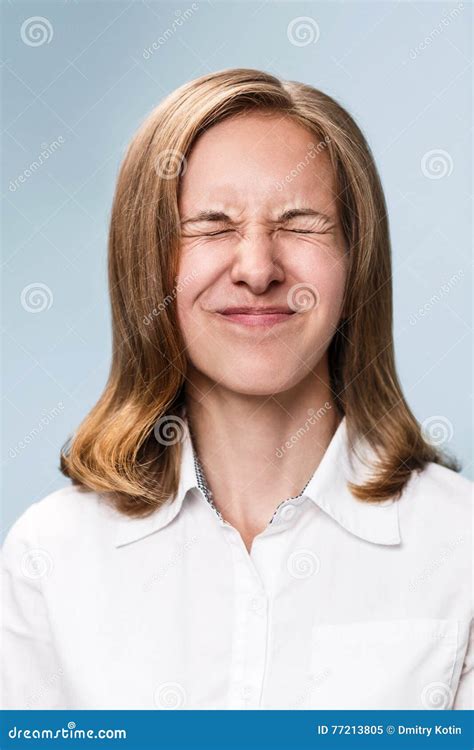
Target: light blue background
[(91, 86)]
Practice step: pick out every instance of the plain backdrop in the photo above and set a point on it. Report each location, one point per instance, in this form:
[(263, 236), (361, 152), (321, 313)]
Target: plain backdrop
[(78, 79)]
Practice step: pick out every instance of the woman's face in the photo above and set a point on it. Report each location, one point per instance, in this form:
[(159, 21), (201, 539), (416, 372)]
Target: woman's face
[(260, 230)]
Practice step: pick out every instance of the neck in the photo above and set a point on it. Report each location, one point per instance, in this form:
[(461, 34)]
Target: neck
[(259, 450)]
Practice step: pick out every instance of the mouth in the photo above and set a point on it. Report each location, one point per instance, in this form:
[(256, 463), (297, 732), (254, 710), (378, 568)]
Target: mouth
[(256, 317)]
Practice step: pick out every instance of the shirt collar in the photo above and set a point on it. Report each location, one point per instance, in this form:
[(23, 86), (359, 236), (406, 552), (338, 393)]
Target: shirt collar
[(372, 521), (375, 522), (131, 529)]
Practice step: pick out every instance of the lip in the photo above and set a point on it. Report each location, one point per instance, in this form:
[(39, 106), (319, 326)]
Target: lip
[(256, 317), (249, 310)]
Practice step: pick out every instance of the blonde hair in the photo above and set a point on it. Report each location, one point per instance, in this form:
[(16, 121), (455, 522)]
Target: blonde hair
[(114, 450)]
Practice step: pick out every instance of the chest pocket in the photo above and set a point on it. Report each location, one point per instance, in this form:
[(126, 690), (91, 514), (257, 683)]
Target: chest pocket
[(393, 664)]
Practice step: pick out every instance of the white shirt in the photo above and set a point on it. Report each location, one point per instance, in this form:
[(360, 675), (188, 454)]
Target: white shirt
[(341, 604)]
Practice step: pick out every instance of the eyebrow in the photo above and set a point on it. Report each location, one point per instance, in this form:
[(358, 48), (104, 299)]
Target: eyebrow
[(291, 213)]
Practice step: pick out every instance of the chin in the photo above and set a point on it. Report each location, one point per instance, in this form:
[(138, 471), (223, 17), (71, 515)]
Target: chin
[(253, 381)]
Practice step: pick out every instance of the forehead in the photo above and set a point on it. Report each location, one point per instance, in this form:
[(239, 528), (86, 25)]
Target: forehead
[(257, 161)]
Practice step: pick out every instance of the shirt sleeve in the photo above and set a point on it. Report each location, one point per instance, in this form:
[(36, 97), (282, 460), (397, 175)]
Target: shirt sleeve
[(31, 673), (464, 698)]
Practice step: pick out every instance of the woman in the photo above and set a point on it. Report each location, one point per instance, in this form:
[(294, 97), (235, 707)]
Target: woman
[(255, 519)]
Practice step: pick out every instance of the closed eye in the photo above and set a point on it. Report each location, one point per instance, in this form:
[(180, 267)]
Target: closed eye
[(220, 232), (301, 231)]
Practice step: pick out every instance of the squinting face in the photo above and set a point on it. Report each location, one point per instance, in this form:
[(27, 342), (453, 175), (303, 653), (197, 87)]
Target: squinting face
[(262, 261)]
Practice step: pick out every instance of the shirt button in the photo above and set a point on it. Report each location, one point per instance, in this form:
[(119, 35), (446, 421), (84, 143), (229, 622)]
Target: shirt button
[(247, 693), (258, 605), (287, 511)]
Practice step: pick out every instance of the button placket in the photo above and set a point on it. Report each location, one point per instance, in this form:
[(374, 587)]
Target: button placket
[(250, 629)]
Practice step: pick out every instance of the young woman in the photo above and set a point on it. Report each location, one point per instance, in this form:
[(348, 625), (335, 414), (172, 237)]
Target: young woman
[(255, 518)]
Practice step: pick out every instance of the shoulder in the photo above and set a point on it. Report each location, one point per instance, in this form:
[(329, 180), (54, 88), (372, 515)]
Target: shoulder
[(440, 484), (441, 497), (62, 517)]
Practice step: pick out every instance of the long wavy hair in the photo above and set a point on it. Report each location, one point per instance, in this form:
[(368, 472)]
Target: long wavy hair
[(114, 450)]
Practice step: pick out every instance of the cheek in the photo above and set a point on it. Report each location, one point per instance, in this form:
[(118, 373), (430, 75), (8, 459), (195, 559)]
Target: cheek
[(190, 287), (321, 282), (199, 269), (332, 290), (192, 278), (184, 307)]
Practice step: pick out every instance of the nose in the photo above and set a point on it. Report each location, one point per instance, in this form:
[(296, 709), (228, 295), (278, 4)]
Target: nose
[(256, 261)]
